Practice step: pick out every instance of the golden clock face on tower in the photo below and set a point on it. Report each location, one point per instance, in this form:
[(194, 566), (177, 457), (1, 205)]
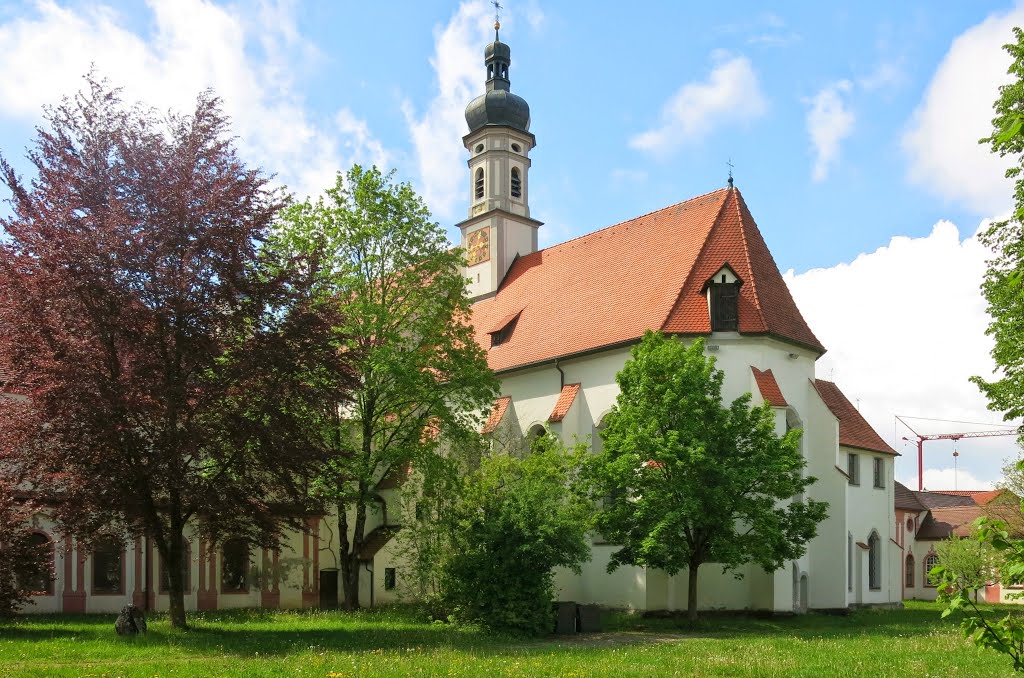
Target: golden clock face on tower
[(478, 246)]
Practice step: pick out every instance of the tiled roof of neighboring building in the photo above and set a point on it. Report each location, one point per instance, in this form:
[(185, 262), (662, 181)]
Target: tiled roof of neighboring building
[(905, 498), (768, 387), (497, 412), (979, 497), (565, 400), (608, 287), (941, 500), (854, 430), (941, 523)]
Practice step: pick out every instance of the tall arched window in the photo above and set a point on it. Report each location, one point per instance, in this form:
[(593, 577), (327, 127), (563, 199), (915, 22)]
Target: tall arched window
[(849, 562), (535, 433), (909, 581), (108, 567), (478, 184), (43, 584), (234, 567), (517, 184), (874, 562), (929, 562)]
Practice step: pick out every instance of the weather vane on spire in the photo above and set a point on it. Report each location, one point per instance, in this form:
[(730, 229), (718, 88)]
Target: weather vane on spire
[(497, 17), (729, 163)]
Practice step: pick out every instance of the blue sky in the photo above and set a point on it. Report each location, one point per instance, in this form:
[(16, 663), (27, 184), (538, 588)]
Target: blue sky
[(851, 127)]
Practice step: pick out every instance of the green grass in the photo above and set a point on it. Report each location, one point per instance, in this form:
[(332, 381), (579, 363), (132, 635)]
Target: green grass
[(876, 643)]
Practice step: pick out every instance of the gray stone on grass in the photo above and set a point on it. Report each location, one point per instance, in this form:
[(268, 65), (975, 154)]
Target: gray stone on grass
[(130, 622)]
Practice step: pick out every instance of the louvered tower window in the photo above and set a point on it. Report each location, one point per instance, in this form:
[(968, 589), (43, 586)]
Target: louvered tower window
[(724, 306), (517, 184), (479, 183)]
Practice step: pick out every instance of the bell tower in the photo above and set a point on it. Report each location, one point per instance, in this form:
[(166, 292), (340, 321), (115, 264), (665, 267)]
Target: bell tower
[(499, 227)]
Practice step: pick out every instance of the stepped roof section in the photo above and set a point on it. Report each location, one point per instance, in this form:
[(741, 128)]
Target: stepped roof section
[(854, 430), (607, 288)]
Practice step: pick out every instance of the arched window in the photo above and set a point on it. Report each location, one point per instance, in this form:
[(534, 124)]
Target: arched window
[(234, 567), (536, 432), (108, 567), (478, 189), (909, 582), (517, 184), (186, 570), (874, 562), (929, 562), (42, 585)]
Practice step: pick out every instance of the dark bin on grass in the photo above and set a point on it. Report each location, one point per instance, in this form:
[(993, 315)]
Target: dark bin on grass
[(565, 617), (589, 618)]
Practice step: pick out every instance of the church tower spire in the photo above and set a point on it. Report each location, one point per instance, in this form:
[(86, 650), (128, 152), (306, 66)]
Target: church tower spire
[(499, 227)]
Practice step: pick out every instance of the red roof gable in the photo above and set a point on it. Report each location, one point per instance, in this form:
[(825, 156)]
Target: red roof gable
[(565, 399), (608, 287), (768, 387), (854, 430), (497, 412)]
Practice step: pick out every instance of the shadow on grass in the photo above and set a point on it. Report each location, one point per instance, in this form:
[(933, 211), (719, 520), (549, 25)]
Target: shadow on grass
[(246, 633)]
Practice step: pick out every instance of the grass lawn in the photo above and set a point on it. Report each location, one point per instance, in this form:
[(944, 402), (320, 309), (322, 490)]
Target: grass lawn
[(909, 642)]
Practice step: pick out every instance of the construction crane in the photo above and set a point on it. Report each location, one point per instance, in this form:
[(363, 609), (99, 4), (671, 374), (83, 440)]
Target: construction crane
[(955, 437)]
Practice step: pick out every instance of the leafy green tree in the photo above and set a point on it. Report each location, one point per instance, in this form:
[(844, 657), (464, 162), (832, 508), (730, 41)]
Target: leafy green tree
[(967, 564), (516, 520), (1003, 286), (1004, 634), (406, 324), (687, 480)]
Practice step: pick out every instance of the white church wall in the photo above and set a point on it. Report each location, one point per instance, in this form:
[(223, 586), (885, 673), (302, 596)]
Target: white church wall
[(826, 553)]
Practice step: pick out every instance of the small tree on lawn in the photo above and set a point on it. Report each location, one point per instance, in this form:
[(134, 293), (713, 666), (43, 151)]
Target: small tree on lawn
[(969, 563), (686, 480), (514, 522), (166, 367), (422, 376)]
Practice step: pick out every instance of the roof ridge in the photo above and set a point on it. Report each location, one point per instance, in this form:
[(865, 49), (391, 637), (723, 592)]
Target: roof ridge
[(626, 221), (750, 264)]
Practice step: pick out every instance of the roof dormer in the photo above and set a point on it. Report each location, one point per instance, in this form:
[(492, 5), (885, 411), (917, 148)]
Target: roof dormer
[(723, 293)]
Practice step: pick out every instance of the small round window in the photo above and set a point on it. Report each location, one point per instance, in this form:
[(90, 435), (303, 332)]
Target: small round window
[(516, 148), (910, 524), (479, 148)]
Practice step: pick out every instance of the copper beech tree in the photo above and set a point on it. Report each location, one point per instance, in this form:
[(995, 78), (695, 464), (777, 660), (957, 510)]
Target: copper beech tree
[(169, 365)]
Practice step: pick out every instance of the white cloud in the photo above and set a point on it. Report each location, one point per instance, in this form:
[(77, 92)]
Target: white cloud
[(730, 94), (828, 122), (949, 479), (905, 328), (437, 131), (246, 54), (886, 74), (941, 143)]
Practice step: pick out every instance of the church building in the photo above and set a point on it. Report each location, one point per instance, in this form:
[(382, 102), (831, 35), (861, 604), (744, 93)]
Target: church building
[(557, 325)]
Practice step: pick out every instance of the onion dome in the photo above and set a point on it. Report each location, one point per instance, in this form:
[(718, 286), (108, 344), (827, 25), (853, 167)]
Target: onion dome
[(498, 107)]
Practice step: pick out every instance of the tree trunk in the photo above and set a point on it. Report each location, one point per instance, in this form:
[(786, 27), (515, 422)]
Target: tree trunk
[(350, 553), (176, 585), (691, 592)]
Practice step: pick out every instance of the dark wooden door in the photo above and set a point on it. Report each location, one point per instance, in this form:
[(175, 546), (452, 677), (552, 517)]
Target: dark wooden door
[(328, 588)]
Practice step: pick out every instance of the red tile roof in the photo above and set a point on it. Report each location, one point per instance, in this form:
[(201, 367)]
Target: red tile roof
[(565, 399), (768, 387), (854, 430), (608, 287), (941, 523), (905, 498), (497, 412), (980, 497)]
